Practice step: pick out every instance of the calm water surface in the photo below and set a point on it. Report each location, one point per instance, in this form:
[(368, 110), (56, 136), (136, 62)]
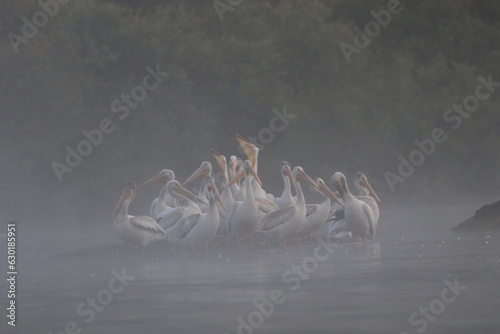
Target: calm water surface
[(358, 288)]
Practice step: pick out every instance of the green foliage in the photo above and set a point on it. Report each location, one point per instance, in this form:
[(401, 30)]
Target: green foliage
[(226, 77)]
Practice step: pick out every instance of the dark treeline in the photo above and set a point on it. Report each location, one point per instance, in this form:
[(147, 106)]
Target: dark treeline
[(226, 77)]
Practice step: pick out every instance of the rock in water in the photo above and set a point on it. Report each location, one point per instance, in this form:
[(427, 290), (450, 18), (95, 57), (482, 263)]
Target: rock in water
[(486, 218)]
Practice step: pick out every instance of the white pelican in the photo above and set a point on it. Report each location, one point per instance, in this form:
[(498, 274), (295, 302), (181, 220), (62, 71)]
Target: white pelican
[(226, 194), (286, 197), (199, 229), (366, 194), (316, 214), (205, 169), (235, 165), (359, 216), (240, 195), (264, 205), (164, 201), (336, 221), (138, 230), (284, 222), (187, 205), (242, 217), (252, 153)]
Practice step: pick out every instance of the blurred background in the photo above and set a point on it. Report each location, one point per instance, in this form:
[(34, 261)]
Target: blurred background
[(226, 77)]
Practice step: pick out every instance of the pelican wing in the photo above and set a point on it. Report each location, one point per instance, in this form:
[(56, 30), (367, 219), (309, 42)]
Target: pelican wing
[(372, 203), (344, 235), (147, 224), (310, 209), (276, 218), (371, 218), (186, 225), (266, 205), (163, 213), (171, 217), (337, 226), (336, 214)]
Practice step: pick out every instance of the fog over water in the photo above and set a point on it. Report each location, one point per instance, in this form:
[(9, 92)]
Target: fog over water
[(359, 288)]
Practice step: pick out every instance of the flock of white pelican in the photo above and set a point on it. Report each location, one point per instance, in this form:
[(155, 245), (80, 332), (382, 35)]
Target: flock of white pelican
[(243, 209)]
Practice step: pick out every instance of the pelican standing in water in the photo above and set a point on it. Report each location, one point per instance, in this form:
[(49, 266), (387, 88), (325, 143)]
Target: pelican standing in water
[(205, 170), (226, 194), (240, 195), (234, 164), (136, 230), (286, 197), (284, 222), (264, 205), (164, 201), (359, 216), (252, 153), (316, 214), (366, 194), (187, 205), (198, 230), (242, 217)]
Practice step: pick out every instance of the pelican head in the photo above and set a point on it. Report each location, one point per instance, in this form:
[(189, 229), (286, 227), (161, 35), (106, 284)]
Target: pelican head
[(251, 150), (239, 164), (174, 187), (233, 163), (204, 169), (299, 174), (361, 183), (164, 177), (128, 194), (339, 182), (286, 169), (247, 171), (221, 160), (325, 190)]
